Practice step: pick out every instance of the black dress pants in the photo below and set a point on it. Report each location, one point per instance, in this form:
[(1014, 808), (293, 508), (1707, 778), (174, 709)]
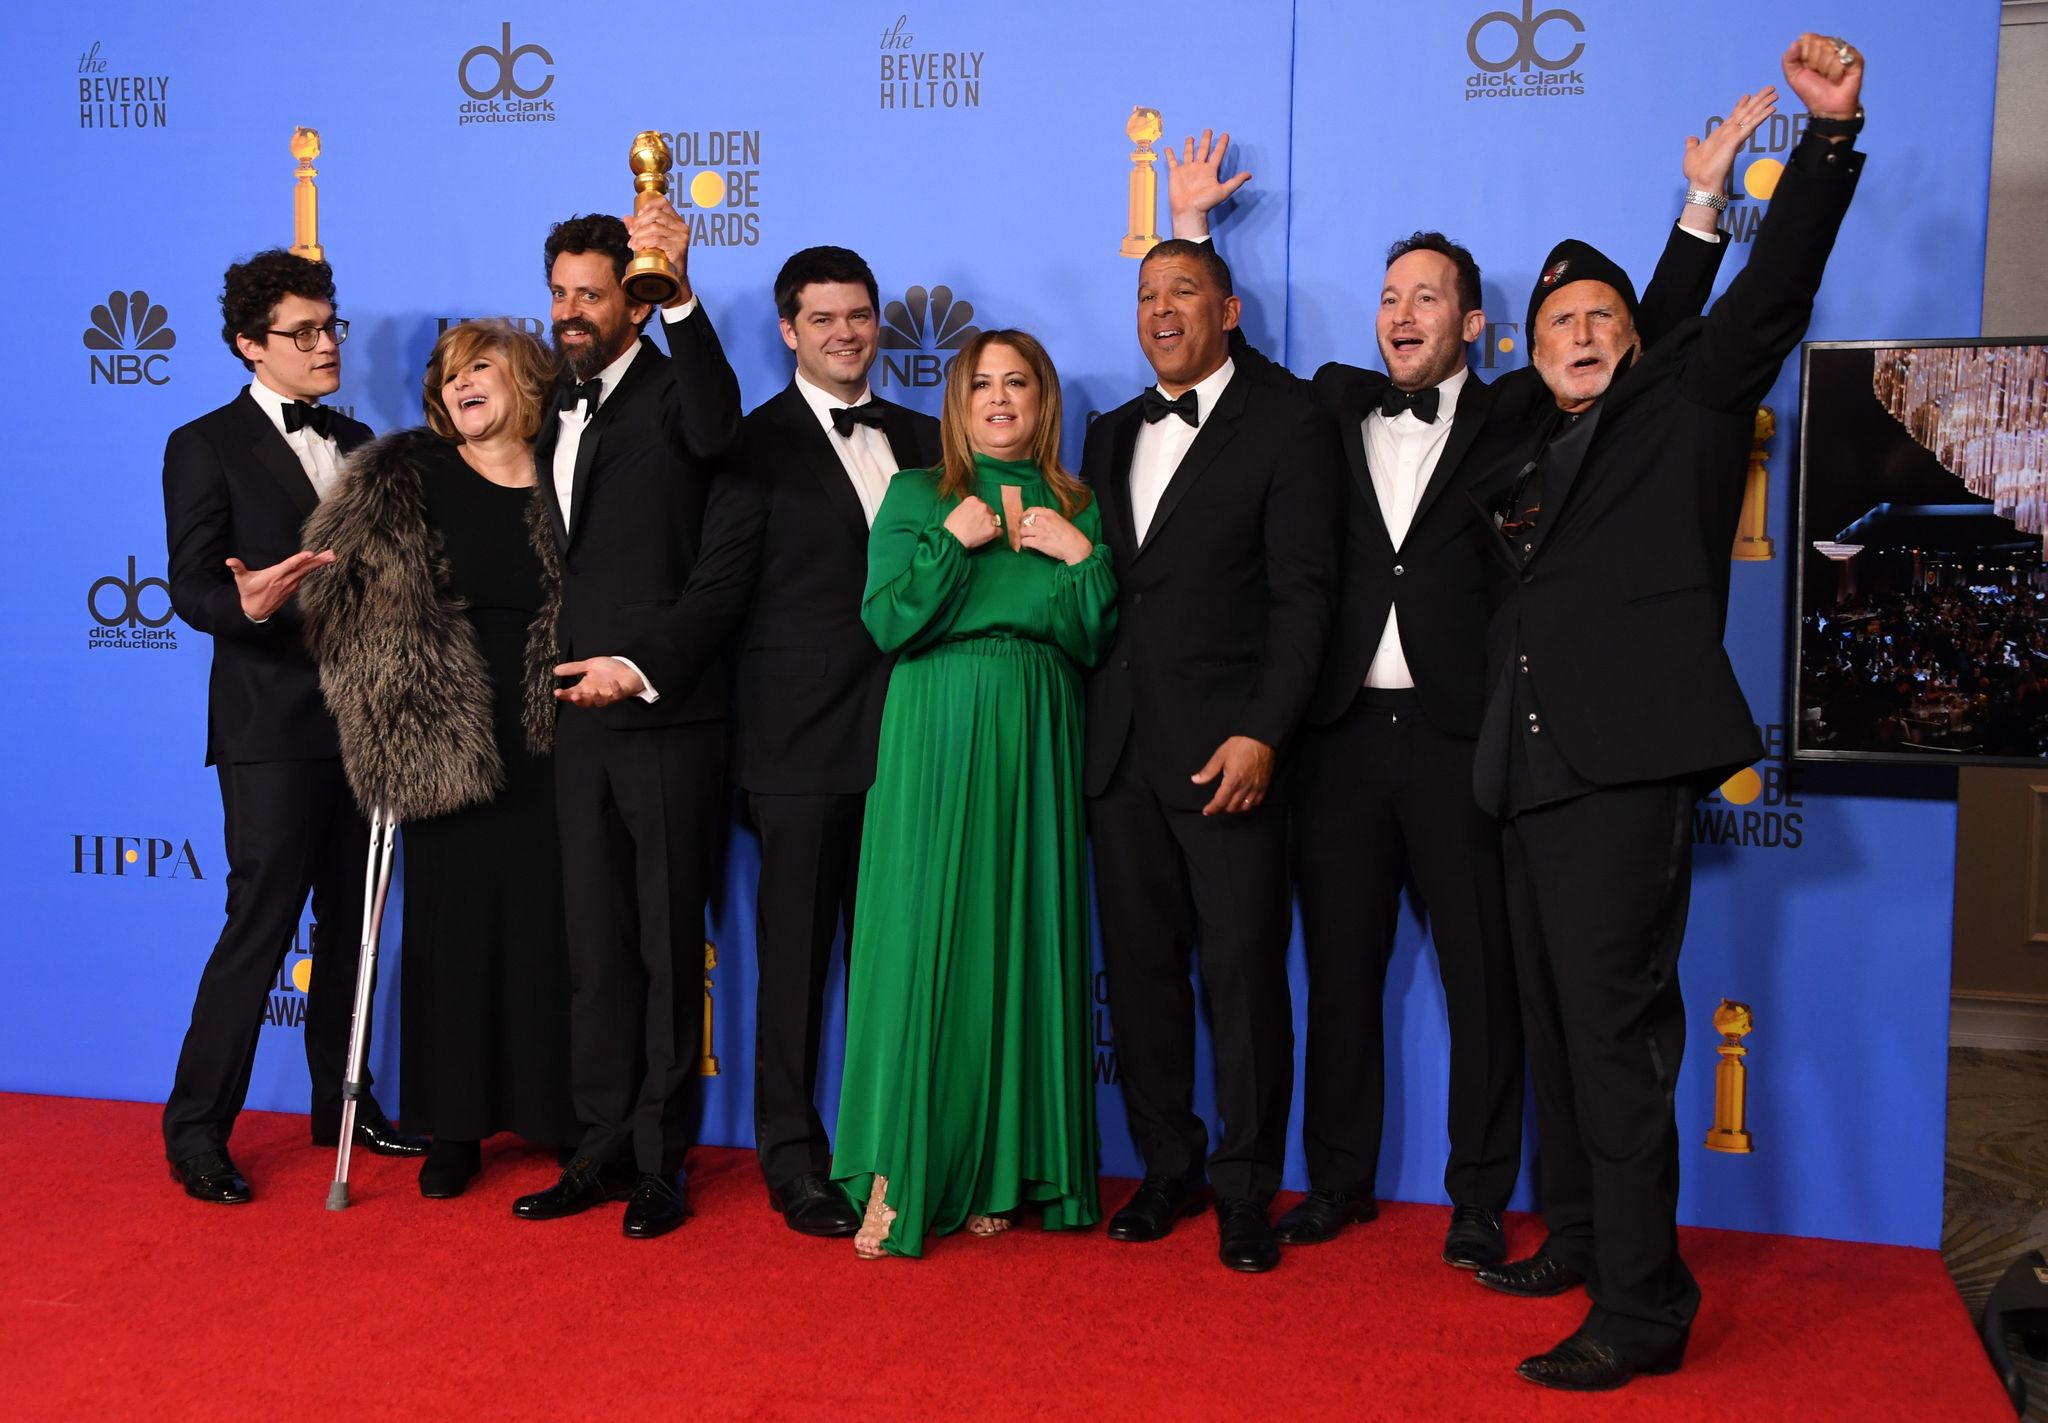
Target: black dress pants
[(290, 827), (1598, 890), (1169, 882), (810, 856), (639, 812), (1382, 797)]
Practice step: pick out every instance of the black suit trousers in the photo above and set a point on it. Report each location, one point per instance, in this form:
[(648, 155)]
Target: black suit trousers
[(290, 827), (1169, 880), (639, 812), (1382, 798), (1598, 890), (810, 855)]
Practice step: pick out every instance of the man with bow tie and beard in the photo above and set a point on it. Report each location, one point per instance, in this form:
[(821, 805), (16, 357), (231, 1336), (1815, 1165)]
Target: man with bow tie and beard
[(238, 483), (1384, 765), (656, 564), (1220, 506)]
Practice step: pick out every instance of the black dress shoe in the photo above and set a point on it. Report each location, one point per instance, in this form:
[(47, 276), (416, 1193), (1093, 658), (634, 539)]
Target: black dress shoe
[(810, 1206), (583, 1184), (448, 1169), (660, 1204), (1533, 1278), (1321, 1214), (1246, 1237), (1585, 1365), (211, 1176), (1475, 1239), (374, 1132), (1150, 1214)]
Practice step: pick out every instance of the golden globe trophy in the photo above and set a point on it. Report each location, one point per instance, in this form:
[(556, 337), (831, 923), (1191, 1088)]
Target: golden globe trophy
[(1731, 1079), (707, 1064), (1752, 544), (650, 276), (1144, 129), (306, 196)]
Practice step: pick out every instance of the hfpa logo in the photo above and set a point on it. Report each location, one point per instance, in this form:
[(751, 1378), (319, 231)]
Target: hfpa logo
[(125, 326)]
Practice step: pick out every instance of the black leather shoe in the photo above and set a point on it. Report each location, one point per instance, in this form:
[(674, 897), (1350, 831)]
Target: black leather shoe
[(1150, 1214), (584, 1184), (449, 1168), (810, 1206), (660, 1204), (374, 1132), (1475, 1239), (1533, 1278), (1246, 1237), (1585, 1365), (1321, 1214), (211, 1176)]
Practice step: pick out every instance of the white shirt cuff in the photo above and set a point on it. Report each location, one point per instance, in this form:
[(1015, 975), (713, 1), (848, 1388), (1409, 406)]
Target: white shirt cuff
[(670, 318), (646, 693), (1713, 236)]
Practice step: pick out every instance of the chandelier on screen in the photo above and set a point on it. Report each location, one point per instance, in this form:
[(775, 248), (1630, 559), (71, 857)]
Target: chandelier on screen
[(1983, 412)]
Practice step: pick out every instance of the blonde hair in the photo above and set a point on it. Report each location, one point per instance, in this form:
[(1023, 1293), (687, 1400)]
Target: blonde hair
[(529, 364), (956, 479)]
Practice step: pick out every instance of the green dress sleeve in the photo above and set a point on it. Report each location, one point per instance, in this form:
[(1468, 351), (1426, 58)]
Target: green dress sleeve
[(917, 570), (1084, 596)]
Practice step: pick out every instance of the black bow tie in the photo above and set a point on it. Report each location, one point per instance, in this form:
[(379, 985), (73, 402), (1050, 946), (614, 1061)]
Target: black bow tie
[(298, 414), (574, 395), (845, 417), (1393, 400), (1157, 407)]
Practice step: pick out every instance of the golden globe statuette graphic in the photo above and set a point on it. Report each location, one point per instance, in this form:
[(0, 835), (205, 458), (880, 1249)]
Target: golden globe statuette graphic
[(1733, 1022), (707, 1065), (1144, 129), (650, 277), (306, 196), (1752, 544)]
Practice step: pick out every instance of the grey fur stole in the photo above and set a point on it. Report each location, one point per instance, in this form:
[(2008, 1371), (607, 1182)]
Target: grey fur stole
[(399, 663)]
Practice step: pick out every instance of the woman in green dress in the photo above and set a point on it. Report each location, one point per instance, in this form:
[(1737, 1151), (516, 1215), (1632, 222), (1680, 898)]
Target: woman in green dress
[(968, 1092)]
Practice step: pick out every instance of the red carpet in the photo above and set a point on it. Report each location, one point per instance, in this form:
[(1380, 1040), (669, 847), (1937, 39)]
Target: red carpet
[(124, 1300)]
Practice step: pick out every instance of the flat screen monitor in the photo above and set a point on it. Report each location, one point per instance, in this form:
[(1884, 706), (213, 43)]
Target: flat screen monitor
[(1923, 515)]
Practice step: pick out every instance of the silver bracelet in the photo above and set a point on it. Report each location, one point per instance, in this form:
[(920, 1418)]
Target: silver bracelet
[(1698, 197)]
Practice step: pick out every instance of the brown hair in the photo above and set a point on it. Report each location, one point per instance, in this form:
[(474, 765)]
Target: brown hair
[(957, 477), (525, 360)]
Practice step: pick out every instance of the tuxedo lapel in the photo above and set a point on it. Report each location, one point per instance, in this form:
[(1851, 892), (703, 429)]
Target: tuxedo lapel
[(1216, 433), (277, 457), (544, 467), (901, 432), (1357, 403), (814, 446), (633, 386), (1123, 443), (1474, 401)]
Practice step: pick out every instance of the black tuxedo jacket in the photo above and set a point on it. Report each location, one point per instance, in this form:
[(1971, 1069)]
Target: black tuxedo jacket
[(1223, 611), (1621, 607), (234, 489), (808, 707), (658, 555)]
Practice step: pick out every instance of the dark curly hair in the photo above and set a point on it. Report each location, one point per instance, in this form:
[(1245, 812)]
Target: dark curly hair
[(590, 232), (251, 290), (821, 265), (1460, 257)]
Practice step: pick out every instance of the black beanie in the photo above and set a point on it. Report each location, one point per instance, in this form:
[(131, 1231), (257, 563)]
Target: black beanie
[(1575, 261)]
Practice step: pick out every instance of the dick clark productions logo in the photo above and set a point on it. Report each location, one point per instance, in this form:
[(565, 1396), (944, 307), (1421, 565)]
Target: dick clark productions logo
[(505, 84), (128, 336), (130, 613), (1525, 56)]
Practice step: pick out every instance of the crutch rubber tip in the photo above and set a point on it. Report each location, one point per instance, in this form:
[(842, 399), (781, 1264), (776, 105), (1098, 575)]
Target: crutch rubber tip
[(337, 1196)]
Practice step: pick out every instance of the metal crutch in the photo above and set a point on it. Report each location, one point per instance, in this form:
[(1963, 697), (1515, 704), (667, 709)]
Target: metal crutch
[(376, 884)]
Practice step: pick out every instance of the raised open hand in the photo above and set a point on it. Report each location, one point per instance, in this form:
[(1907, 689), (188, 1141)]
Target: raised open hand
[(1194, 183), (1709, 160)]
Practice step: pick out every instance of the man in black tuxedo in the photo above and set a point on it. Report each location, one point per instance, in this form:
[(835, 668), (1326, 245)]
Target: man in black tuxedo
[(238, 482), (655, 567), (1613, 707), (808, 706), (1387, 752), (1220, 504)]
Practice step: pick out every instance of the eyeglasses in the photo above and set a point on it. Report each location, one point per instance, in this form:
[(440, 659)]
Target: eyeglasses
[(307, 337)]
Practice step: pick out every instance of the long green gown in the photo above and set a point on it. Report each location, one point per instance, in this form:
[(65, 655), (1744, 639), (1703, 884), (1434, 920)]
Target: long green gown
[(968, 1081)]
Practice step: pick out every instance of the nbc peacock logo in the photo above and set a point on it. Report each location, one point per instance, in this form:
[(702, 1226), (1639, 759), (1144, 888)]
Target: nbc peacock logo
[(128, 336), (918, 329)]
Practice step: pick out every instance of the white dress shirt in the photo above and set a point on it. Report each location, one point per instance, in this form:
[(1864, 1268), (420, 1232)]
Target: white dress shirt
[(569, 438), (319, 456), (1163, 444), (1402, 454), (864, 453)]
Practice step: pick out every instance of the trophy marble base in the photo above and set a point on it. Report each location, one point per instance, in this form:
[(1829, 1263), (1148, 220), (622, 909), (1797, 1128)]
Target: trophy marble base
[(651, 279)]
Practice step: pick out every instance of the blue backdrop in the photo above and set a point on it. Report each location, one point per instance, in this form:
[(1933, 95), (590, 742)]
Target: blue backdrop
[(977, 157)]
